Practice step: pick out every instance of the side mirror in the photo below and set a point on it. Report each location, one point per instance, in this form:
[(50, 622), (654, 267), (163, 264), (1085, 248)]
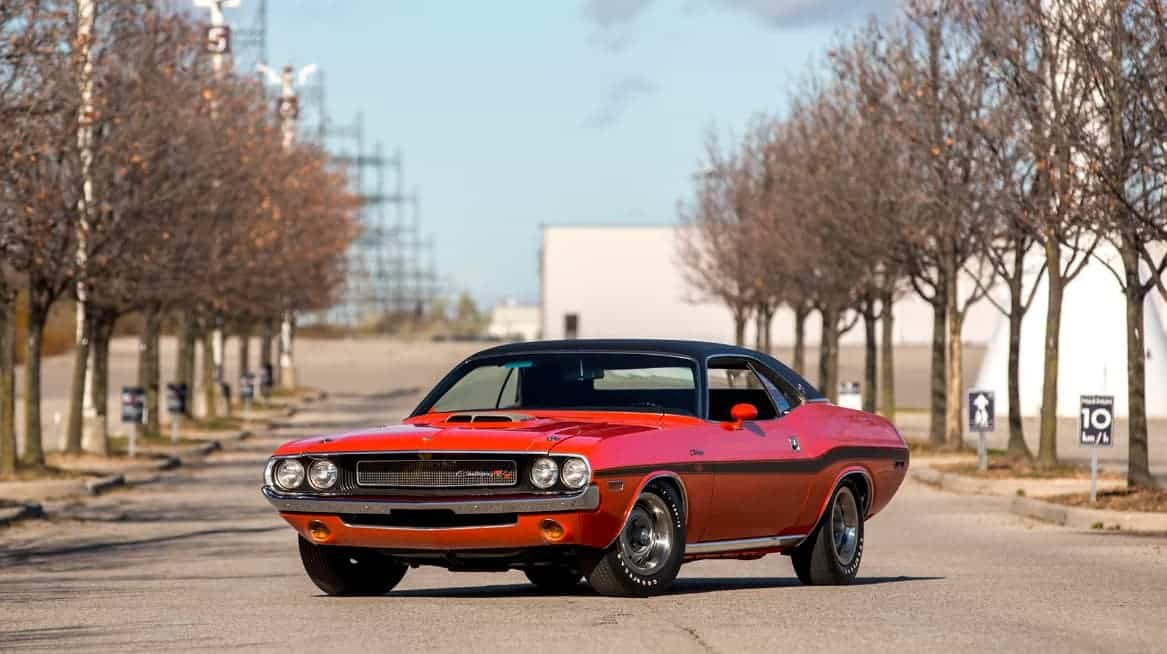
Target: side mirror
[(740, 413)]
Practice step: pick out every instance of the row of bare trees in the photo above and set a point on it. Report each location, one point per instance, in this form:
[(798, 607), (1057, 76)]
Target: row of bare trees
[(963, 152), (166, 193)]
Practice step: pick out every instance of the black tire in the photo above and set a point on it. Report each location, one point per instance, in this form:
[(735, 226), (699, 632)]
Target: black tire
[(554, 578), (818, 561), (350, 571), (621, 571)]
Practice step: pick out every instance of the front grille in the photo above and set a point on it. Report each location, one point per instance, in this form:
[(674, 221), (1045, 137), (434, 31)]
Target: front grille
[(443, 473), (429, 519)]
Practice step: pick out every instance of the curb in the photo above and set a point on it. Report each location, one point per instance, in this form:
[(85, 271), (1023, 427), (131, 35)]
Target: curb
[(1080, 518), (26, 511), (104, 484), (1051, 512)]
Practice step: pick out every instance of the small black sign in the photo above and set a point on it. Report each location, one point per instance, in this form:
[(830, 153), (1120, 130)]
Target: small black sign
[(133, 404), (982, 411), (1096, 425), (247, 386), (176, 398)]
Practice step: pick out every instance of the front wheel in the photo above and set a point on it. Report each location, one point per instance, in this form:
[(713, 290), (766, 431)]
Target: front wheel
[(831, 555), (647, 554), (350, 571)]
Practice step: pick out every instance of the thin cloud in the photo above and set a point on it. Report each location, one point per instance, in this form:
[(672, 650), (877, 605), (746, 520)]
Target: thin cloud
[(800, 13), (613, 21), (620, 98)]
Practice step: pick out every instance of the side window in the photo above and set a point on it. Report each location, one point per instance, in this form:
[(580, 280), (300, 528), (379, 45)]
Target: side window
[(733, 381), (784, 397)]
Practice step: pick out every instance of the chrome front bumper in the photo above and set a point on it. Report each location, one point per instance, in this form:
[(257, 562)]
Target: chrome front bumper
[(588, 500)]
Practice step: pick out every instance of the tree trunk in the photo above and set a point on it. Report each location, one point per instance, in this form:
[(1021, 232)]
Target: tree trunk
[(939, 368), (953, 423), (244, 349), (828, 354), (75, 428), (265, 344), (210, 389), (102, 332), (148, 373), (760, 329), (887, 381), (1138, 472), (1047, 451), (1017, 446), (7, 382), (185, 364), (740, 318), (34, 451), (768, 342), (870, 376), (800, 314)]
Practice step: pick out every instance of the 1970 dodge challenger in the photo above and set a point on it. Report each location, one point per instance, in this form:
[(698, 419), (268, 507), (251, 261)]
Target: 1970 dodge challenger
[(614, 460)]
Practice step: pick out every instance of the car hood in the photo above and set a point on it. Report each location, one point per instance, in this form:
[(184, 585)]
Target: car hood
[(539, 435)]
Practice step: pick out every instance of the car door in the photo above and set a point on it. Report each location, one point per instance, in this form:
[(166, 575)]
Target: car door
[(760, 481)]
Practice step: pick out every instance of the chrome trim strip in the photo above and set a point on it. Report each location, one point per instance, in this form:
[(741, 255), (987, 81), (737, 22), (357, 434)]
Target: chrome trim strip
[(717, 546), (588, 500)]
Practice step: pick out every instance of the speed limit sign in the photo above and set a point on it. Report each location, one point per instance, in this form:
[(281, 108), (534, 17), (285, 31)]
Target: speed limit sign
[(1096, 424)]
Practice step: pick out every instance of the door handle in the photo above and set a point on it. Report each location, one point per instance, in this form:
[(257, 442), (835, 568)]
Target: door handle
[(696, 452)]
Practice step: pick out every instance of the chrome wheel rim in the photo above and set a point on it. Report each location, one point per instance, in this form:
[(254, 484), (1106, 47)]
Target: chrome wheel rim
[(647, 538), (845, 526)]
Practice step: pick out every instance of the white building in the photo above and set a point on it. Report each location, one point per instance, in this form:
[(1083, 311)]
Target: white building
[(513, 321), (625, 281)]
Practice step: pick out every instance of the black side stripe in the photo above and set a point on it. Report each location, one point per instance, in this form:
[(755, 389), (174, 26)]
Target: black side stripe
[(828, 458)]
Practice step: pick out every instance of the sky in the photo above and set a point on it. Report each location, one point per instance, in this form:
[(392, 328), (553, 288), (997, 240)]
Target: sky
[(515, 114)]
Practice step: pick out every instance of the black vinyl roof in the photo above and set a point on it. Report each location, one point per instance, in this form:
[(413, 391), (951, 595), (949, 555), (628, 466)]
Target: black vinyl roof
[(697, 350)]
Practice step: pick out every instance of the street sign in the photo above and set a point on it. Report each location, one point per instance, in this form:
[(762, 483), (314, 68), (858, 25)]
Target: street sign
[(850, 396), (1096, 426), (133, 405), (218, 40), (982, 411), (247, 386), (176, 398), (982, 417)]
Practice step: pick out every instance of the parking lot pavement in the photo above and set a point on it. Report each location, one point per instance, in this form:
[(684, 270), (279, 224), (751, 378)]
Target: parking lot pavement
[(199, 561)]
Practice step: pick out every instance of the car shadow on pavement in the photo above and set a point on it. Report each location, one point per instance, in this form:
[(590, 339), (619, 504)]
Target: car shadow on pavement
[(683, 586)]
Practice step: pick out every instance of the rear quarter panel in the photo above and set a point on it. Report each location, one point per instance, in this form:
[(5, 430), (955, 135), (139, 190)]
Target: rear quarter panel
[(843, 441)]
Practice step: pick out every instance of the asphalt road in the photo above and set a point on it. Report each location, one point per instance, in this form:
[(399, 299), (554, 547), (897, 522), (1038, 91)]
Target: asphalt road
[(199, 561)]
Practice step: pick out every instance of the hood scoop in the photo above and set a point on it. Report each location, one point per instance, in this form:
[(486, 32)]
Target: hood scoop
[(487, 417)]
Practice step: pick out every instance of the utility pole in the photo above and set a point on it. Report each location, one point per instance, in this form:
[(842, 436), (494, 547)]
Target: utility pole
[(289, 114), (218, 44), (83, 406)]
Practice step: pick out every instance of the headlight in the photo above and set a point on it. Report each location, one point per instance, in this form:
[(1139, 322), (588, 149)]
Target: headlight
[(575, 473), (322, 475), (544, 473), (289, 474)]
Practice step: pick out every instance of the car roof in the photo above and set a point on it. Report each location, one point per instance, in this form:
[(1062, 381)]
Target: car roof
[(697, 350)]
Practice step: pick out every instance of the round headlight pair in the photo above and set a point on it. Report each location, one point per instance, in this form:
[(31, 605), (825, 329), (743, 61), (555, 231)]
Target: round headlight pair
[(574, 474), (289, 474)]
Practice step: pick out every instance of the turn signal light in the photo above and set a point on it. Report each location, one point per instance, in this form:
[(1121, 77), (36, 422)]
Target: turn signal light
[(318, 531), (551, 530)]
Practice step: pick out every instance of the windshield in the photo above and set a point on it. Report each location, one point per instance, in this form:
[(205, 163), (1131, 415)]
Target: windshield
[(620, 382)]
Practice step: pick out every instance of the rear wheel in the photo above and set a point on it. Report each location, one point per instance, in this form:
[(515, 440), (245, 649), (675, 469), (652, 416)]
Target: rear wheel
[(647, 554), (350, 570), (831, 555), (554, 578)]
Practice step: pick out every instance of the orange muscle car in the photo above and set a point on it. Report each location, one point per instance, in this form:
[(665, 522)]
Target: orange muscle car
[(614, 460)]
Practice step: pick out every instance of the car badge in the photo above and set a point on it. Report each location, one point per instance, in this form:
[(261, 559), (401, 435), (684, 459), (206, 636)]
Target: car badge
[(794, 443)]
